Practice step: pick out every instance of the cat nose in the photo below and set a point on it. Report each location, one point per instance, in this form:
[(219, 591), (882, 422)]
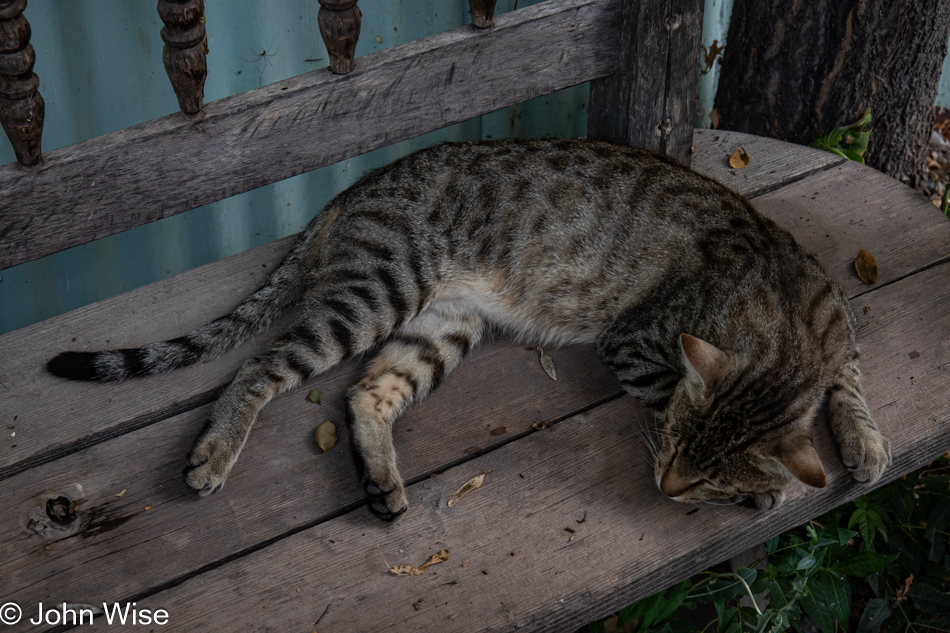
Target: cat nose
[(673, 486)]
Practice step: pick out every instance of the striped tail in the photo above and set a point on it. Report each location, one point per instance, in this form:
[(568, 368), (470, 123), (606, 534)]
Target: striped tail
[(255, 314)]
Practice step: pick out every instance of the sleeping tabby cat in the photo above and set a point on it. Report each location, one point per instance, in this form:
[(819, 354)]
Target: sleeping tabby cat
[(703, 308)]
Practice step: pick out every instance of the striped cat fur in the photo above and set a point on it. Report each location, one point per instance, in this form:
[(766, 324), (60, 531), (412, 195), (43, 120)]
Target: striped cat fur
[(705, 310)]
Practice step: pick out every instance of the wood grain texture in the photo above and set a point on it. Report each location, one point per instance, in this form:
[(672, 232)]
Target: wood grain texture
[(339, 22), (483, 12), (632, 542), (772, 164), (133, 176), (184, 52), (52, 415), (249, 548), (649, 101), (281, 484), (21, 105)]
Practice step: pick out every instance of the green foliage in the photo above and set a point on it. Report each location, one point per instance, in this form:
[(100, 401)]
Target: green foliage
[(850, 141), (879, 564)]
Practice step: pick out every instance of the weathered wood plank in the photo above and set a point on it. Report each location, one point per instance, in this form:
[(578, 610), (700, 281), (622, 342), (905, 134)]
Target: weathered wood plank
[(283, 485), (773, 163), (50, 415), (510, 533), (649, 101), (133, 176), (282, 482), (848, 207)]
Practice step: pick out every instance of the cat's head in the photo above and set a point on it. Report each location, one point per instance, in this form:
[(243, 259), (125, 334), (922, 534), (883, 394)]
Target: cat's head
[(725, 440)]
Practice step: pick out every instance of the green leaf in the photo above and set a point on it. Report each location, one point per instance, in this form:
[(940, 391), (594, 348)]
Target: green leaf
[(596, 627), (861, 564), (862, 519), (655, 608), (777, 597), (771, 545), (939, 517), (827, 601), (853, 155), (930, 599), (314, 396), (726, 586), (806, 563), (937, 544), (874, 615)]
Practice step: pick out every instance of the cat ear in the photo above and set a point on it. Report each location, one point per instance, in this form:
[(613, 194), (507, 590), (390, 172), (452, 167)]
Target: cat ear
[(798, 455), (705, 363)]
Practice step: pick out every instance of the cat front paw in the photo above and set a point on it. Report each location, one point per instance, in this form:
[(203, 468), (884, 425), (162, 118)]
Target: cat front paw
[(209, 463), (387, 499), (866, 456)]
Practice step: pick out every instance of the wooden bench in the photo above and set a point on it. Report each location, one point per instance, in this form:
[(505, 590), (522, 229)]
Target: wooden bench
[(289, 544)]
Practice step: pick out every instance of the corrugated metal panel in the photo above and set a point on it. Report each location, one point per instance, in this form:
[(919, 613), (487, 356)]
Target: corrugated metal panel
[(100, 70)]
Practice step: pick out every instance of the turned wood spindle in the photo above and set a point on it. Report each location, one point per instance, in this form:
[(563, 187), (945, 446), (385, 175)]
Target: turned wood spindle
[(21, 105), (339, 22), (184, 52), (483, 12)]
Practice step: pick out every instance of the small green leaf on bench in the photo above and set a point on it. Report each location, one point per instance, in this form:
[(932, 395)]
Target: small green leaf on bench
[(314, 396), (866, 267), (326, 436)]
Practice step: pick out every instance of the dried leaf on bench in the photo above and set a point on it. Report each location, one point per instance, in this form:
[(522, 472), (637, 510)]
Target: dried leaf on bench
[(739, 160), (326, 436), (547, 364), (866, 267), (468, 486), (408, 570), (314, 396)]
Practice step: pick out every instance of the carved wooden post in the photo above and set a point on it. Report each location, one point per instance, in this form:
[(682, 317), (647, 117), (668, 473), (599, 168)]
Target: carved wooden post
[(339, 22), (21, 106), (184, 52), (483, 12), (650, 100)]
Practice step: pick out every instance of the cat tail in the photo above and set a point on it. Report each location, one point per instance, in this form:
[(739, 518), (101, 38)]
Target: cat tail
[(283, 288)]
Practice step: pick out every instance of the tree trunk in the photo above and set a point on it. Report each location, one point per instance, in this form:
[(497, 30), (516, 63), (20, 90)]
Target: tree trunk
[(797, 69)]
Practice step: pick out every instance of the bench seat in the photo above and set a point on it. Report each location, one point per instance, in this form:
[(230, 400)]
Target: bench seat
[(289, 546)]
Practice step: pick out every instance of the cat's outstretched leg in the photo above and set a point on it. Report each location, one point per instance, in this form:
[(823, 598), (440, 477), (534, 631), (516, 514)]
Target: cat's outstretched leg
[(319, 340), (410, 366), (864, 451)]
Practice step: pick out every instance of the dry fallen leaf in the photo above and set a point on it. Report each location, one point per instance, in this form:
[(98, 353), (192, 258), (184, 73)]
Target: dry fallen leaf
[(468, 486), (122, 493), (408, 570), (866, 267), (326, 436), (714, 118), (498, 430), (547, 364), (739, 160), (540, 425)]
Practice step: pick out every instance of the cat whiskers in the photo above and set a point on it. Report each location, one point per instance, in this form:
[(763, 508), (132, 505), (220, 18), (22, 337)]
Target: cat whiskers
[(647, 438)]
